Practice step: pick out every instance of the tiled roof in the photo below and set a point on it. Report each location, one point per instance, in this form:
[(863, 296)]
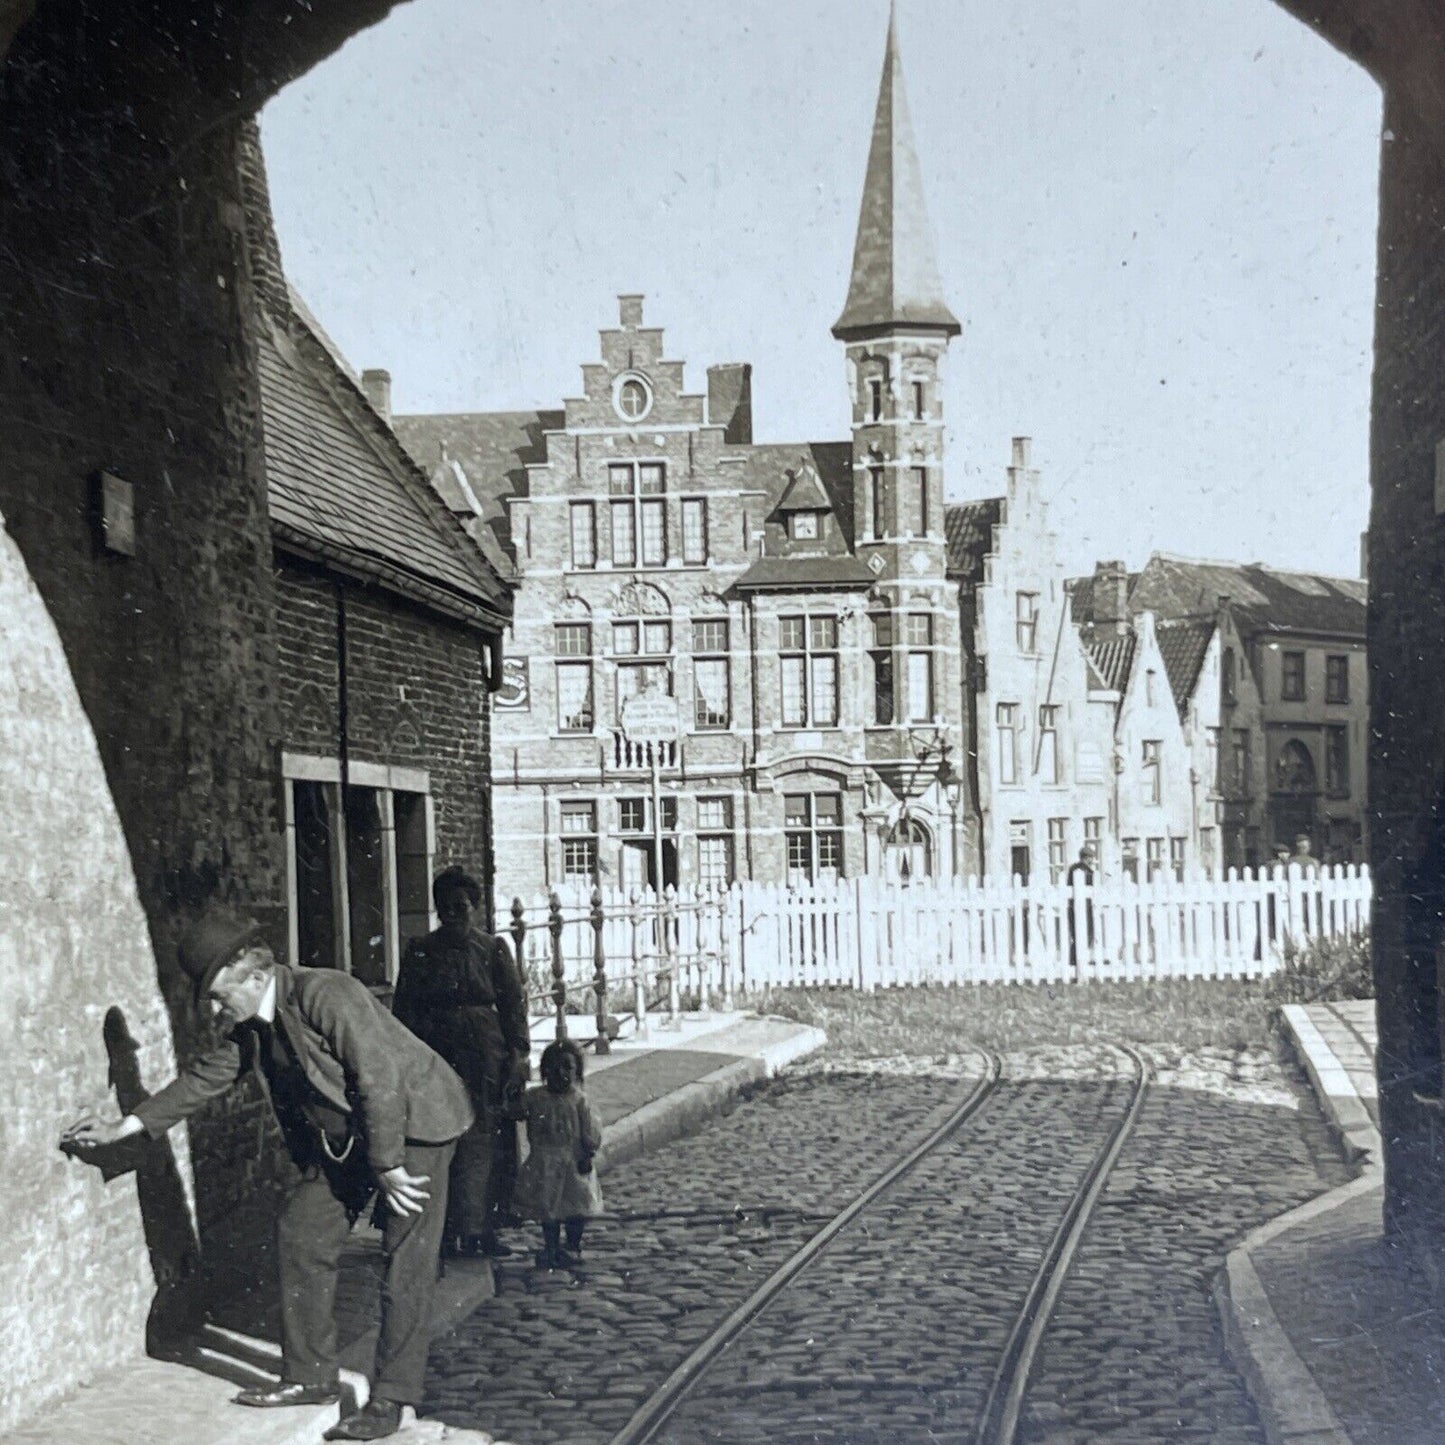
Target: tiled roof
[(969, 529), (1263, 599), (784, 573), (340, 484), (804, 492), (494, 449), (1113, 656), (895, 267), (1184, 645), (770, 462)]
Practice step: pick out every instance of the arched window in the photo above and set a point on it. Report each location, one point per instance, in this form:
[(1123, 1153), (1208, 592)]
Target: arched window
[(908, 854), (1294, 769)]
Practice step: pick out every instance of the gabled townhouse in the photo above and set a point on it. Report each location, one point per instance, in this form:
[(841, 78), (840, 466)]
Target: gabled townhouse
[(1037, 725), (1291, 716)]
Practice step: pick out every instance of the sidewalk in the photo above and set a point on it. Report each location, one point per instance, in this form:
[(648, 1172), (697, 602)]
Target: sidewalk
[(1337, 1337), (649, 1090)]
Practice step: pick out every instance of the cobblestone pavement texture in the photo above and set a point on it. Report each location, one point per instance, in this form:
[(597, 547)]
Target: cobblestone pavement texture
[(892, 1334)]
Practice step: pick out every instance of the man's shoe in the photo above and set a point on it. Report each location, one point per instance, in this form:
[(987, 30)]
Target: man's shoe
[(289, 1394), (374, 1421)]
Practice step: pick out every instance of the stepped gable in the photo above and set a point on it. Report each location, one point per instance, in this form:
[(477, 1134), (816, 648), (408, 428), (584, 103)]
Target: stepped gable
[(340, 485), (895, 280), (968, 527)]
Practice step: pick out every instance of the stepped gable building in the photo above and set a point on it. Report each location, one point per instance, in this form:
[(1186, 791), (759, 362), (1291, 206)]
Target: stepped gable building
[(792, 600), (1037, 719), (1277, 712)]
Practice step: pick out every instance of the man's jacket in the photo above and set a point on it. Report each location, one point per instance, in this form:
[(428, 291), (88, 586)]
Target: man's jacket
[(356, 1057)]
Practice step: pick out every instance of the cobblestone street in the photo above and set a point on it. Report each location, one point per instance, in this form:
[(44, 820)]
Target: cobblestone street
[(893, 1334)]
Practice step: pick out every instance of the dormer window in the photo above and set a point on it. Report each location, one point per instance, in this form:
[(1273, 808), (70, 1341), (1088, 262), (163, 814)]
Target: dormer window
[(807, 526)]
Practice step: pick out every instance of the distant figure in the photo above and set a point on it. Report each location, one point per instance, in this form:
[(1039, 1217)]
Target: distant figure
[(1082, 871), (557, 1185), (1081, 875), (1303, 858), (1281, 857), (460, 991)]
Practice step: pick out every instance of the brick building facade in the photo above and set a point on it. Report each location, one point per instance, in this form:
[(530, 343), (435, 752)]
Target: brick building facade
[(869, 680), (136, 664)]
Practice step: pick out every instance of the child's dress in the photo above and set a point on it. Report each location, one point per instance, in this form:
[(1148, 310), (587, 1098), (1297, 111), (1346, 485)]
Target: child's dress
[(561, 1131)]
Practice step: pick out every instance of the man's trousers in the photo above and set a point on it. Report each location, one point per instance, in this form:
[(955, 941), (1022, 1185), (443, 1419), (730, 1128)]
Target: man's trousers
[(311, 1233)]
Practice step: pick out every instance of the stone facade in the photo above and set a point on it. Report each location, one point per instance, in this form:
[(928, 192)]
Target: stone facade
[(139, 769)]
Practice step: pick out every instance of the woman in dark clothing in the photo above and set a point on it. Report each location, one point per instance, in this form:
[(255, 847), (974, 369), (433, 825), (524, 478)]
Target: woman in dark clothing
[(460, 991)]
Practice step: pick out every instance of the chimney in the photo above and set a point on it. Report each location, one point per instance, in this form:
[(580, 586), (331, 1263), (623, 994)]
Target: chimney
[(629, 309), (730, 401), (1023, 446), (376, 383), (1111, 595)]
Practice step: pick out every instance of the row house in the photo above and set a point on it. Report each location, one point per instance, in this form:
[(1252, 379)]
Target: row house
[(1280, 709)]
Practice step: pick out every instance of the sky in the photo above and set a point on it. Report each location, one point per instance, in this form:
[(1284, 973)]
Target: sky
[(1156, 222)]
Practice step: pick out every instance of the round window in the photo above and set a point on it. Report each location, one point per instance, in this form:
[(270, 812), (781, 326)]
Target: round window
[(632, 397)]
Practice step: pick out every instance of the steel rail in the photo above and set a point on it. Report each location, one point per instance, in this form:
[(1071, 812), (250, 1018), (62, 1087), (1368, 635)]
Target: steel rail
[(654, 1412), (998, 1424)]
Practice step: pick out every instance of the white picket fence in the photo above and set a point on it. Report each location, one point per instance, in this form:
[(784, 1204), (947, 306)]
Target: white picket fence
[(866, 933)]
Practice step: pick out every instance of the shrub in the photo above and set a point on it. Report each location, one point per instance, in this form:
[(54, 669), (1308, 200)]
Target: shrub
[(1324, 970)]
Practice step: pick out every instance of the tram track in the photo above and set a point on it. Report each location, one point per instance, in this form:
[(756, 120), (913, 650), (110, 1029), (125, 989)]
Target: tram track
[(998, 1419)]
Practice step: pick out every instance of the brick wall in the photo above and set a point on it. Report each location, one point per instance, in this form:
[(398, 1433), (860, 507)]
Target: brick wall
[(416, 696), (1407, 679)]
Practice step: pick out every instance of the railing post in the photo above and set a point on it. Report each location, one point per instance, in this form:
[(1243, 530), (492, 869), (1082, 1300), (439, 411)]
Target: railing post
[(639, 970), (599, 973), (559, 967), (705, 913), (724, 946), (519, 936), (667, 908)]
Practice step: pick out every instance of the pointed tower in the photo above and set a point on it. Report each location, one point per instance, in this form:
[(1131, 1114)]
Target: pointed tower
[(896, 327)]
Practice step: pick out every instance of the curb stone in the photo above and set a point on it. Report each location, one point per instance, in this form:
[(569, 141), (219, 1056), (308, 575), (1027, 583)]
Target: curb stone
[(1292, 1407)]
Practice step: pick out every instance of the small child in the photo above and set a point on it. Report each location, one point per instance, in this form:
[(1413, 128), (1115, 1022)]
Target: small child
[(557, 1184)]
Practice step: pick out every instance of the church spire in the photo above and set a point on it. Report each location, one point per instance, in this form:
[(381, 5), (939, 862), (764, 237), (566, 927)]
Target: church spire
[(895, 269)]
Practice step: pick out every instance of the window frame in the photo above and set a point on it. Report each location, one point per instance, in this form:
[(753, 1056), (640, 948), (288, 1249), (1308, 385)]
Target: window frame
[(1151, 773), (1026, 623), (694, 507), (632, 497), (1337, 677), (807, 838), (406, 872), (808, 657), (587, 511), (569, 640), (920, 646), (1006, 736), (1293, 685), (712, 651), (584, 838), (1049, 745)]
